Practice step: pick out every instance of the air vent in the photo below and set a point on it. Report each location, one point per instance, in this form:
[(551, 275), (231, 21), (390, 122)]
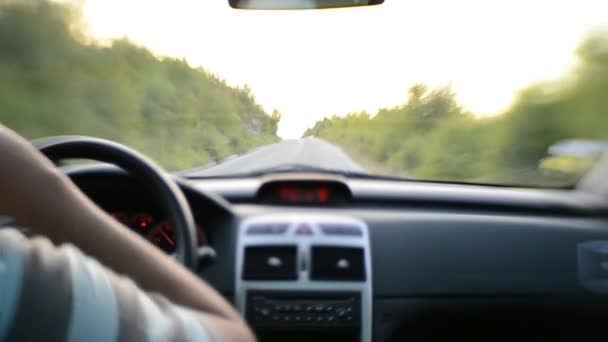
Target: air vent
[(270, 263), (337, 263), (341, 229)]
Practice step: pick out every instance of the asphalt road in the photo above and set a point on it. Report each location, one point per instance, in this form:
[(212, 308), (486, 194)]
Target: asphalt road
[(311, 152)]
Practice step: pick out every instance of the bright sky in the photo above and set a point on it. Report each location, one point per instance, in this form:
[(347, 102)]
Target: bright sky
[(311, 64)]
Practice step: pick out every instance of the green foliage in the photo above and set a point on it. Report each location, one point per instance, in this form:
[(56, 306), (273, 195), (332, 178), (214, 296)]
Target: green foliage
[(432, 137), (52, 83)]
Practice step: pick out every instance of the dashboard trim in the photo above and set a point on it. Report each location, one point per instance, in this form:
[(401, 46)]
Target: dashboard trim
[(304, 243)]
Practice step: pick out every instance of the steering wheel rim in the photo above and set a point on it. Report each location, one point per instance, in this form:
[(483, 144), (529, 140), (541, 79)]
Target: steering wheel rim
[(163, 186)]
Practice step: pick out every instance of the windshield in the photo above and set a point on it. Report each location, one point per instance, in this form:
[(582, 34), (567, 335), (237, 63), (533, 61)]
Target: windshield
[(505, 92)]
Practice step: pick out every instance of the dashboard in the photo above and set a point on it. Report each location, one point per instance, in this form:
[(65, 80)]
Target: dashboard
[(312, 256), (156, 229)]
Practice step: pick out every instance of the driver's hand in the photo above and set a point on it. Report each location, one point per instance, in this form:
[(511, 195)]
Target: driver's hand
[(37, 195)]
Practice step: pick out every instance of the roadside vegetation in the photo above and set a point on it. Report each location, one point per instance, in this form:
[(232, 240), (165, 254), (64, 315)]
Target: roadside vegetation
[(431, 136), (53, 80)]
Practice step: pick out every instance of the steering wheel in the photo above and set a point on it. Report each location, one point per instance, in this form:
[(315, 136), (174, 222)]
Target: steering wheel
[(163, 187)]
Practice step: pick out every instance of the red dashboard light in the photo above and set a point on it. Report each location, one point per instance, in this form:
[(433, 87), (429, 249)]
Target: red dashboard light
[(323, 194), (304, 194), (142, 221), (288, 193)]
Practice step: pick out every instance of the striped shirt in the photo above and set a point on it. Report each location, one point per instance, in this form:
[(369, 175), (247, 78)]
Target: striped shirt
[(50, 293)]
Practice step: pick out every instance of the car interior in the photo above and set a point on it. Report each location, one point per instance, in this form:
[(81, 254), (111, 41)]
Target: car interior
[(308, 255), (312, 254)]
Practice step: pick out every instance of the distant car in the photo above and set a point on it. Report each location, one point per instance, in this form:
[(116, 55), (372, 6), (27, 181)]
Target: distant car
[(579, 148)]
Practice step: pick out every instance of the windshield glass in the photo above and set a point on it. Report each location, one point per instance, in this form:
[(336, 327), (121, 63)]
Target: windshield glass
[(505, 92)]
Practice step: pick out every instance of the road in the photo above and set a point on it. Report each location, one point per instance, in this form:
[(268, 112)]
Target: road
[(310, 151)]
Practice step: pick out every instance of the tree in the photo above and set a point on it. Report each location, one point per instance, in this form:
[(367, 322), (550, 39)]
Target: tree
[(417, 92), (432, 136), (51, 83)]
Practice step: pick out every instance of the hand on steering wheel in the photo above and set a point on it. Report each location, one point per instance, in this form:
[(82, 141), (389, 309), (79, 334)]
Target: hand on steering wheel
[(161, 185)]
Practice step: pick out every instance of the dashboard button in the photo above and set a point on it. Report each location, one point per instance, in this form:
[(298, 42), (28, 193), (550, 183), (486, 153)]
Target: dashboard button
[(304, 229), (270, 229), (340, 229)]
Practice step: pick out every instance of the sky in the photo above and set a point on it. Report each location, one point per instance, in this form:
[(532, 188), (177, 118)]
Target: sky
[(313, 64)]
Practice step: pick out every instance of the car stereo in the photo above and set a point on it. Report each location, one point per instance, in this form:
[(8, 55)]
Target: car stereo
[(305, 277)]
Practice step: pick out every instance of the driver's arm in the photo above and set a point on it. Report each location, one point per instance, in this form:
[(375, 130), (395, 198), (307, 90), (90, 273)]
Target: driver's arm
[(40, 197), (59, 294)]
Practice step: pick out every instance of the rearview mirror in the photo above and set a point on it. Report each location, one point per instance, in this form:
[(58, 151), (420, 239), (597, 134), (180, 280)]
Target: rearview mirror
[(299, 4)]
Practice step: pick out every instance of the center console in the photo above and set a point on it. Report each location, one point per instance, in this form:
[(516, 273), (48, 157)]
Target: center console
[(303, 277)]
